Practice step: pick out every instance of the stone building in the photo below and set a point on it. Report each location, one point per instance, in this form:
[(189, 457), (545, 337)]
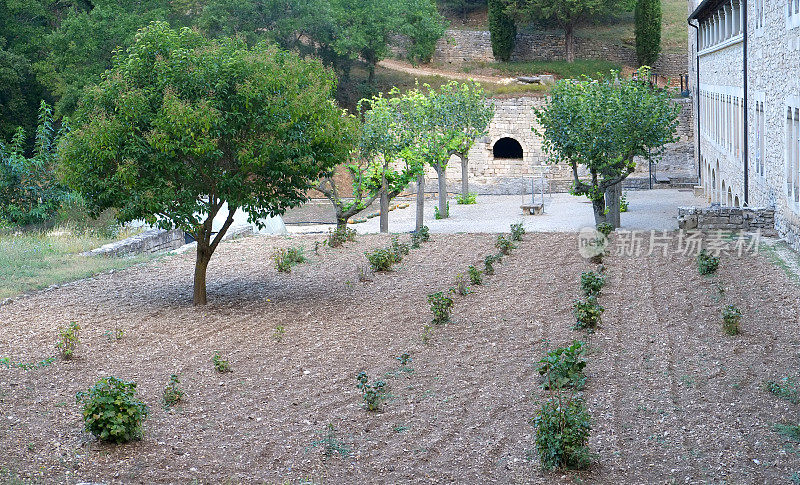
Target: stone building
[(745, 67)]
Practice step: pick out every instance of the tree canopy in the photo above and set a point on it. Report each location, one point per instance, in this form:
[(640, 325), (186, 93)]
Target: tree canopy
[(182, 125), (602, 125)]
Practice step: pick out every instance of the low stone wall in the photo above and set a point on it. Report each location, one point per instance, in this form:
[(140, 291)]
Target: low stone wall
[(151, 241), (728, 218), (459, 46)]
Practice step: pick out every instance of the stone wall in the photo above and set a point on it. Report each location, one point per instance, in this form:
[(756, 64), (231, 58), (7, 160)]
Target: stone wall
[(728, 218), (151, 241), (459, 46)]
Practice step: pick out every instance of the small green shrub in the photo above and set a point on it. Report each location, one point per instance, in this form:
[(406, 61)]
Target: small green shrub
[(437, 215), (221, 365), (504, 245), (489, 262), (373, 394), (623, 203), (706, 263), (563, 367), (405, 359), (441, 305), (468, 199), (338, 237), (111, 411), (517, 231), (286, 258), (331, 444), (69, 340), (562, 434), (605, 228), (587, 313), (475, 275), (380, 259), (115, 334), (731, 316), (399, 250), (460, 287), (784, 388), (592, 283), (791, 431), (278, 332), (173, 394)]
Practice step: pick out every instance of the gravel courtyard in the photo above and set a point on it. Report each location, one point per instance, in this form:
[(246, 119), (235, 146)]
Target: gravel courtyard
[(649, 209), (673, 399)]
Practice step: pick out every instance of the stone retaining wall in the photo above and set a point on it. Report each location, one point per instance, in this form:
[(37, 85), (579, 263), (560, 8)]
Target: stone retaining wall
[(459, 46), (151, 241), (728, 218)]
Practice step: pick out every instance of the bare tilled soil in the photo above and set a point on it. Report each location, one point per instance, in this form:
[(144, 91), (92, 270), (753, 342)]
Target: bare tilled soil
[(673, 399)]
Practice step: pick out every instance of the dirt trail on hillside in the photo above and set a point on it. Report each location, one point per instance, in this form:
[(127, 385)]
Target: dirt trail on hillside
[(396, 65)]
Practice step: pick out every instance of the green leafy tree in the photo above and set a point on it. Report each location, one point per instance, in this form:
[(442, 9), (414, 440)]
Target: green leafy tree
[(602, 125), (567, 14), (423, 26), (30, 193), (17, 102), (502, 29), (648, 31), (463, 7), (182, 125)]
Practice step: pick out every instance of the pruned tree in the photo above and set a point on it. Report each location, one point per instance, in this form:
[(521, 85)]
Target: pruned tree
[(567, 14), (182, 125), (648, 31), (363, 194), (502, 30), (602, 125)]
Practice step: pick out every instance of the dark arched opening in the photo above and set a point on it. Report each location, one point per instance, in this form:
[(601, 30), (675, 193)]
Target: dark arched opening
[(507, 148)]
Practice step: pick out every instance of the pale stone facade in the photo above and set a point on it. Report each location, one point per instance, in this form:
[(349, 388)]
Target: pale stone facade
[(749, 144)]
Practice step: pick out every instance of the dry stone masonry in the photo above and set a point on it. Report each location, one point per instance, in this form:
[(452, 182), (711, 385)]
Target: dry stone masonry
[(151, 241), (748, 219)]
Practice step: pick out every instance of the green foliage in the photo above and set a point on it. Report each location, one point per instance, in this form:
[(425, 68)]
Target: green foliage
[(460, 287), (784, 388), (9, 364), (404, 359), (111, 411), (517, 231), (30, 192), (68, 340), (587, 313), (437, 215), (441, 304), (563, 367), (475, 275), (503, 31), (399, 250), (381, 259), (605, 228), (115, 334), (287, 257), (791, 431), (706, 263), (153, 141), (603, 125), (373, 394), (172, 394), (418, 237), (339, 236), (489, 262), (592, 283), (647, 15), (470, 198), (562, 434), (331, 444), (504, 245), (278, 332), (220, 365), (731, 316), (623, 203)]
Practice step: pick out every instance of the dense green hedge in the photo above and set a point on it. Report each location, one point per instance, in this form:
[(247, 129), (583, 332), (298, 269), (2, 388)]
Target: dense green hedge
[(648, 31), (502, 30)]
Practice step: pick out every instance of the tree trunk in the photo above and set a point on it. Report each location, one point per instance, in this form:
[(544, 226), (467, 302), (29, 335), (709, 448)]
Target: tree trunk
[(464, 176), (613, 194), (440, 172), (420, 202), (569, 42), (384, 205), (200, 267), (599, 207), (341, 222)]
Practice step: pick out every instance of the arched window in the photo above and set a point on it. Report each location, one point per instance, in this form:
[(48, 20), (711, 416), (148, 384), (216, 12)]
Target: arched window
[(507, 148)]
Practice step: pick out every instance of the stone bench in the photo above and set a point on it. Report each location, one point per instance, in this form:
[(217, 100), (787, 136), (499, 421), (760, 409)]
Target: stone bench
[(531, 209)]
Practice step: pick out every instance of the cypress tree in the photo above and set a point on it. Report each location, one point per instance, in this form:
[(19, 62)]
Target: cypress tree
[(648, 31), (502, 31)]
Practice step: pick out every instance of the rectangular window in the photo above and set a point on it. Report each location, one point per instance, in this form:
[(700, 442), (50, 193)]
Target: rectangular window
[(759, 15), (759, 144), (793, 156)]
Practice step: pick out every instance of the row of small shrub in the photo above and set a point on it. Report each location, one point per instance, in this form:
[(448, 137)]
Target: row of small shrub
[(707, 265), (382, 259), (588, 311)]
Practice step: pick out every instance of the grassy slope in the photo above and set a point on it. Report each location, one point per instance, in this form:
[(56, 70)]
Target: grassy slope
[(32, 261)]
